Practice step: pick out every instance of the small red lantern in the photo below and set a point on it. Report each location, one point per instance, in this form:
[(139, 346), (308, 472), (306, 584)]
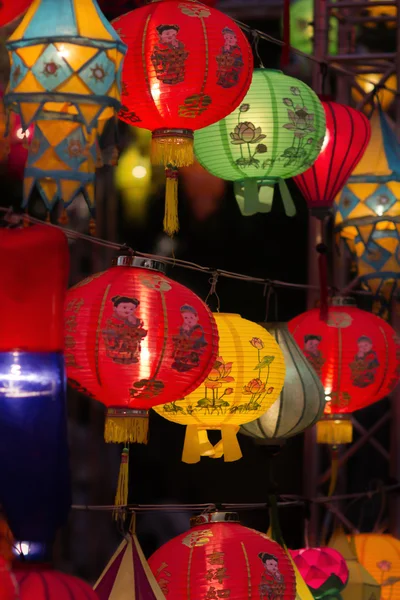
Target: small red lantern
[(188, 66), (38, 582), (357, 357), (347, 135), (8, 585), (219, 558), (135, 339), (323, 569)]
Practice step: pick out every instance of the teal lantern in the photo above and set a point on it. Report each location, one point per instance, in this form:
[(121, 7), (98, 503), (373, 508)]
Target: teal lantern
[(276, 133)]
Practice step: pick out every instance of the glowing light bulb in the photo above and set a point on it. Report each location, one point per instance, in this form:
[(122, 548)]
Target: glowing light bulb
[(139, 172), (325, 142), (21, 134), (155, 91), (145, 354), (380, 210), (63, 52)]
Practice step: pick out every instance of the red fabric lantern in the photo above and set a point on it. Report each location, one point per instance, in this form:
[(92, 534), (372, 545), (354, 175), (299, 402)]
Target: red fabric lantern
[(187, 66), (33, 282), (134, 339), (42, 583), (8, 585), (347, 135), (217, 559), (357, 356), (12, 9), (323, 569)]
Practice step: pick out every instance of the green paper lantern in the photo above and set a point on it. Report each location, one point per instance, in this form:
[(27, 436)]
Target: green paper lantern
[(276, 133), (302, 27)]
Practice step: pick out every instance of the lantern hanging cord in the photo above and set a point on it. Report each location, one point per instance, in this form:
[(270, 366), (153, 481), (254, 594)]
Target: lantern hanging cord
[(15, 219)]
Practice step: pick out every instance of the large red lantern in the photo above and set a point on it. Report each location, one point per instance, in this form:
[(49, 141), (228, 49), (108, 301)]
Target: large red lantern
[(135, 339), (323, 569), (188, 66), (38, 582), (347, 136), (357, 357), (219, 558), (8, 585)]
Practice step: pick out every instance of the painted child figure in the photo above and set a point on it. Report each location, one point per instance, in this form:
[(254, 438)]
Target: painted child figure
[(190, 343), (230, 60), (365, 364), (124, 331), (169, 55), (272, 586), (312, 352)]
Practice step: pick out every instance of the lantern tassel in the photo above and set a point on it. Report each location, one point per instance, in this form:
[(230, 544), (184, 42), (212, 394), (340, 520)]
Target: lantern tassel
[(121, 496), (287, 200), (334, 431), (126, 429), (174, 149), (171, 221), (228, 447), (191, 447)]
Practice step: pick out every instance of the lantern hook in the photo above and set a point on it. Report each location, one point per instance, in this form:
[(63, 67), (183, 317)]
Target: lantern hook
[(269, 291), (256, 41), (213, 289)]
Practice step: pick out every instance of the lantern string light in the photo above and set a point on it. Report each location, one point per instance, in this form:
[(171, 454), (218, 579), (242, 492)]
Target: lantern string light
[(14, 219)]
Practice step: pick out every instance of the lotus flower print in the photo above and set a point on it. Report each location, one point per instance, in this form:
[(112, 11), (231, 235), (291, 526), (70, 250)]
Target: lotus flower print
[(247, 137), (301, 123), (255, 386), (257, 343), (247, 133)]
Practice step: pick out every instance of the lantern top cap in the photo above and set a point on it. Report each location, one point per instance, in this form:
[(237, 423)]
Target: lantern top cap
[(215, 517), (343, 301), (124, 260)]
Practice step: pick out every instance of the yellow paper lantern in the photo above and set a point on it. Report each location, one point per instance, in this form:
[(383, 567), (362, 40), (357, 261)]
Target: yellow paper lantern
[(361, 585), (383, 96), (380, 555), (246, 380)]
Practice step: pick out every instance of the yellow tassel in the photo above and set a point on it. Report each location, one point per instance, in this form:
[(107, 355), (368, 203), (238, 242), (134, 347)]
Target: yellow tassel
[(334, 431), (126, 429), (92, 227), (191, 447), (172, 150), (63, 219), (121, 497), (171, 221), (206, 448), (228, 447)]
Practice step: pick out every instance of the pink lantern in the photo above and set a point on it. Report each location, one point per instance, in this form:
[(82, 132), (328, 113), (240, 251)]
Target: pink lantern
[(323, 569)]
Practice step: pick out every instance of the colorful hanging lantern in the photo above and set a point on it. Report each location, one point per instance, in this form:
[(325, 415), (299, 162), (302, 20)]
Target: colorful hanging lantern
[(357, 357), (37, 582), (347, 135), (245, 381), (379, 554), (382, 97), (8, 585), (187, 66), (323, 569), (276, 133), (361, 585), (136, 338), (302, 28), (32, 382), (301, 402), (368, 215), (10, 11), (128, 569), (219, 558)]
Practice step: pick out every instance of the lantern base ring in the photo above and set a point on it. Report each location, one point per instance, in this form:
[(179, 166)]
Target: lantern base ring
[(126, 425), (214, 517), (335, 430), (124, 260)]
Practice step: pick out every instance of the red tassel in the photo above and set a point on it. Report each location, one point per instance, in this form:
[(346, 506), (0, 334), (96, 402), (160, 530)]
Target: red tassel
[(285, 56)]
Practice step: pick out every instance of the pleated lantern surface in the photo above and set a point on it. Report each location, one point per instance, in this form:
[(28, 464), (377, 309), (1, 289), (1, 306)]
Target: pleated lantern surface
[(302, 589), (368, 215), (219, 558), (379, 554), (8, 585), (134, 339), (347, 135), (357, 357), (276, 133), (244, 382), (35, 484), (38, 582), (188, 65), (323, 569), (66, 61), (301, 402), (361, 585), (128, 575)]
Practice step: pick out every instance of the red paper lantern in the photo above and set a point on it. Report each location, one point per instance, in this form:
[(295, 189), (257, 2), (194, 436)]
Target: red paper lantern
[(357, 356), (347, 135), (8, 585), (42, 583), (134, 339), (28, 263), (323, 570), (12, 9), (219, 558), (187, 66)]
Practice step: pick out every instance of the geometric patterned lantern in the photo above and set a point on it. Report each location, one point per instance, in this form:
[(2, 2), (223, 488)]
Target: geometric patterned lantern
[(323, 569), (368, 215)]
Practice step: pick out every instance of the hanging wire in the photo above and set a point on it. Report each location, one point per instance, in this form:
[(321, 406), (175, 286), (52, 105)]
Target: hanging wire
[(255, 44), (213, 290)]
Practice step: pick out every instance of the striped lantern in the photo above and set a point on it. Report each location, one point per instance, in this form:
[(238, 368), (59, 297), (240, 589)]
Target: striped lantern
[(301, 402)]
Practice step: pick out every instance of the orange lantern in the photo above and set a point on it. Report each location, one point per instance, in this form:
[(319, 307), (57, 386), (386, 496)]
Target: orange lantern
[(380, 555), (188, 66)]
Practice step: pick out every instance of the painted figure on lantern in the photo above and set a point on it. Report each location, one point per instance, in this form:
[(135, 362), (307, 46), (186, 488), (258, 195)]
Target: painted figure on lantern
[(230, 61), (189, 344), (313, 353), (169, 55), (365, 364), (124, 331), (272, 586)]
